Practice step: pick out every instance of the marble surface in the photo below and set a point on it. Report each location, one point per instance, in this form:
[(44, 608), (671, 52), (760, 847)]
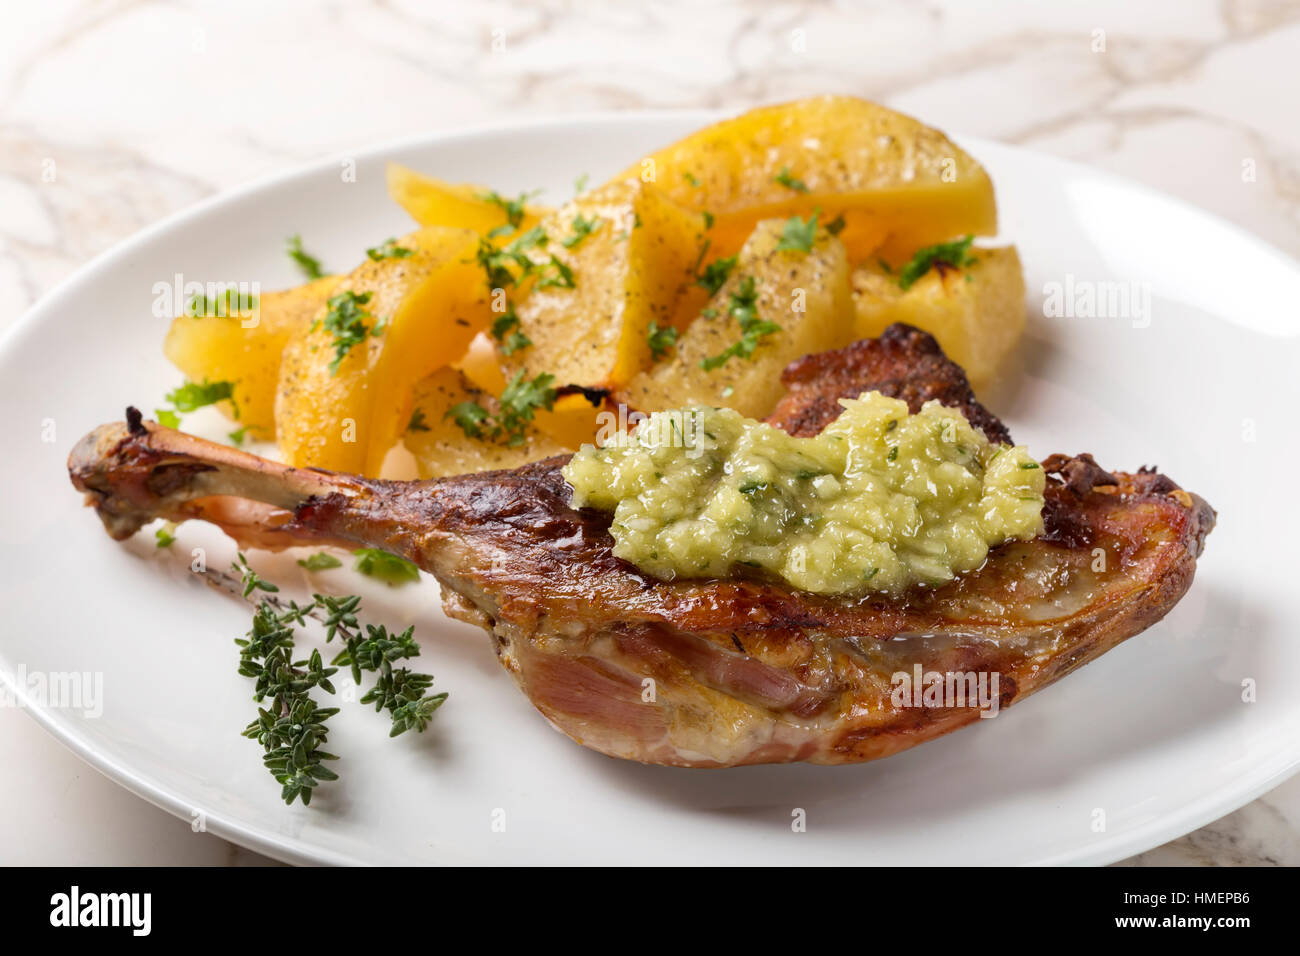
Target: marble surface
[(145, 107)]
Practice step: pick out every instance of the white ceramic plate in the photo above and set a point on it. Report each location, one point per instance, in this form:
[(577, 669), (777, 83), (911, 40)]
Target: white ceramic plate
[(1153, 739)]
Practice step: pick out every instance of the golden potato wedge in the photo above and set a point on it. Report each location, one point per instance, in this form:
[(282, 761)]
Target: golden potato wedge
[(573, 422), (976, 312), (245, 349), (482, 365), (895, 180), (806, 294), (344, 408), (432, 202), (441, 447), (632, 268)]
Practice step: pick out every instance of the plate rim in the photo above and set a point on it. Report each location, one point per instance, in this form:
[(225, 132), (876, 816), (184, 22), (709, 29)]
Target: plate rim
[(288, 849)]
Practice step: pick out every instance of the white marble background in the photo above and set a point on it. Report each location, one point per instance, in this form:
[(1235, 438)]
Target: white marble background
[(148, 106)]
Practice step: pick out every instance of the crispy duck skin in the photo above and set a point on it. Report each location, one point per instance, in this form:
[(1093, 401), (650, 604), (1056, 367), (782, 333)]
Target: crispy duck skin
[(903, 363), (706, 673)]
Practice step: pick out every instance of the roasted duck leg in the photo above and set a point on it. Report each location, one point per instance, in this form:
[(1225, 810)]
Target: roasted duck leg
[(708, 673)]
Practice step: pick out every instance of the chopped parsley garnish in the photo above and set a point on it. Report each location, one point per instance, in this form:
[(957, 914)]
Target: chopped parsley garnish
[(385, 566), (345, 320), (953, 255), (497, 263), (516, 407), (195, 395), (509, 265), (798, 236), (708, 219), (505, 329), (520, 401), (238, 436), (789, 182), (691, 178), (228, 302), (513, 208), (582, 228), (661, 340), (555, 275), (532, 239), (715, 274), (167, 418), (580, 184), (389, 249), (472, 418), (320, 561), (166, 535), (417, 422), (308, 264), (836, 225), (742, 308)]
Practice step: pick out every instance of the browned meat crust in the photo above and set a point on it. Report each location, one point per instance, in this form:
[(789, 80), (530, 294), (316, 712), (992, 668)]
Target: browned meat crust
[(904, 363), (709, 672)]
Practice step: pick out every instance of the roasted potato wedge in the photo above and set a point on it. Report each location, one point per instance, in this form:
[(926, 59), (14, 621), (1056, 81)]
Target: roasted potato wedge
[(807, 294), (632, 268), (482, 365), (977, 312), (899, 184), (441, 447), (573, 422), (432, 202), (245, 349), (423, 311), (595, 291)]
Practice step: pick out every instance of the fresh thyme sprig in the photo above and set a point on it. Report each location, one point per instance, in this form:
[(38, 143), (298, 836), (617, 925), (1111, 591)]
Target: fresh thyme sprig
[(400, 691), (292, 726)]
